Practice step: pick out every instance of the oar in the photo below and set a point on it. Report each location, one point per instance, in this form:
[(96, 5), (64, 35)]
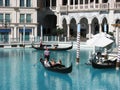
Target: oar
[(36, 63)]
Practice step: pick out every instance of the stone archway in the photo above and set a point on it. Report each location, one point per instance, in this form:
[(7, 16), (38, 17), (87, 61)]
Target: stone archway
[(103, 23), (73, 28), (117, 21), (95, 26), (65, 27), (84, 28)]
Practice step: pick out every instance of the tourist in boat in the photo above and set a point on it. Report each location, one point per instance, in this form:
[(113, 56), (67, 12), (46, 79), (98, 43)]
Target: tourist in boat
[(59, 62), (52, 62), (47, 54), (47, 63)]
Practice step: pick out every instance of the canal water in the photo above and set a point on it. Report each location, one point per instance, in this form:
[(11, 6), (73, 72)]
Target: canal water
[(20, 69)]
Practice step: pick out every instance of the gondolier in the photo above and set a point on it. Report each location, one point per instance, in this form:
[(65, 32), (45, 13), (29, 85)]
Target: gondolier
[(47, 54)]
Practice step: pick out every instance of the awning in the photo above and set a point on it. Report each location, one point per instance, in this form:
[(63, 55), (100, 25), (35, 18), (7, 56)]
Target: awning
[(26, 30), (99, 41), (5, 30), (102, 34)]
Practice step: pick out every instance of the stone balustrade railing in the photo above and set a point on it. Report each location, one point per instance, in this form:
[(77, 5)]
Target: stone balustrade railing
[(89, 7)]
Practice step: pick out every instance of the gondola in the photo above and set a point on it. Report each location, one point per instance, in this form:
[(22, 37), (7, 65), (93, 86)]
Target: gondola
[(56, 48), (58, 68), (103, 65)]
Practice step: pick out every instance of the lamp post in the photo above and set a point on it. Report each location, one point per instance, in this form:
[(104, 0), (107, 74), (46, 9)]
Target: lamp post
[(78, 44)]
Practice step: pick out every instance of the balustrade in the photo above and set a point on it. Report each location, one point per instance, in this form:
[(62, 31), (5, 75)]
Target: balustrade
[(90, 7)]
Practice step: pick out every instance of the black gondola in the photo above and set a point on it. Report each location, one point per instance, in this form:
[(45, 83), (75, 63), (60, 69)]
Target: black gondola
[(104, 65), (58, 68), (53, 48)]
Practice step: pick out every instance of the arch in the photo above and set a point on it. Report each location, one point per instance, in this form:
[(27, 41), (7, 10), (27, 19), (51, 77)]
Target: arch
[(73, 27), (95, 26), (104, 21), (84, 28), (117, 21), (64, 24)]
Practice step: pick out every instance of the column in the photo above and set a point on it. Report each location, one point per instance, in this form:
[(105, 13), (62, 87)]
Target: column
[(89, 31), (83, 3), (15, 32), (68, 2), (32, 34), (41, 29), (118, 56), (100, 28), (73, 4), (94, 3), (50, 3), (68, 31), (78, 4), (117, 36)]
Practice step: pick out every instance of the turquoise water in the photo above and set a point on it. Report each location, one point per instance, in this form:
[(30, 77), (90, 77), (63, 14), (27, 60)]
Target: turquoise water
[(20, 70)]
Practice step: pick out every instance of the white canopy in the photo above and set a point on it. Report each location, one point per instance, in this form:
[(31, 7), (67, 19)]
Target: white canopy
[(99, 41), (102, 34)]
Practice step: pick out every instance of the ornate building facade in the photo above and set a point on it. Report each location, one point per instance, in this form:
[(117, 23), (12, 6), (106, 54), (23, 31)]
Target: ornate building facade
[(91, 14), (17, 16)]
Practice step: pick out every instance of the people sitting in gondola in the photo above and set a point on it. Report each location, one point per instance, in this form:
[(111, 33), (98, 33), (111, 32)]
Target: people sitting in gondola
[(47, 63), (56, 64), (52, 62), (59, 62)]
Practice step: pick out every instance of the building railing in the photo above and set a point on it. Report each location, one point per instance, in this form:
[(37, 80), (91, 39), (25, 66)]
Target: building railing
[(117, 5), (89, 7), (5, 40)]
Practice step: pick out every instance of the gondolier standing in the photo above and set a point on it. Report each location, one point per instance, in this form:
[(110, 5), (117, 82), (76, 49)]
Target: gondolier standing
[(47, 54)]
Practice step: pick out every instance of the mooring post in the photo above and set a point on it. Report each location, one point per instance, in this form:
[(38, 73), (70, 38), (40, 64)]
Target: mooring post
[(78, 44), (118, 56)]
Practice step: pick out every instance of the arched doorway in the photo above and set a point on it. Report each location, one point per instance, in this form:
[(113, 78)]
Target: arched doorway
[(103, 23), (95, 26), (117, 21), (73, 28), (84, 28), (65, 27)]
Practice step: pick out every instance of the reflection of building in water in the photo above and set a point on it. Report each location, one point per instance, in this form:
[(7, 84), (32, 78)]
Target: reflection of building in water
[(92, 14)]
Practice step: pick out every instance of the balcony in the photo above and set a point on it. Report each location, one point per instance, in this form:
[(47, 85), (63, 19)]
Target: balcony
[(89, 7)]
